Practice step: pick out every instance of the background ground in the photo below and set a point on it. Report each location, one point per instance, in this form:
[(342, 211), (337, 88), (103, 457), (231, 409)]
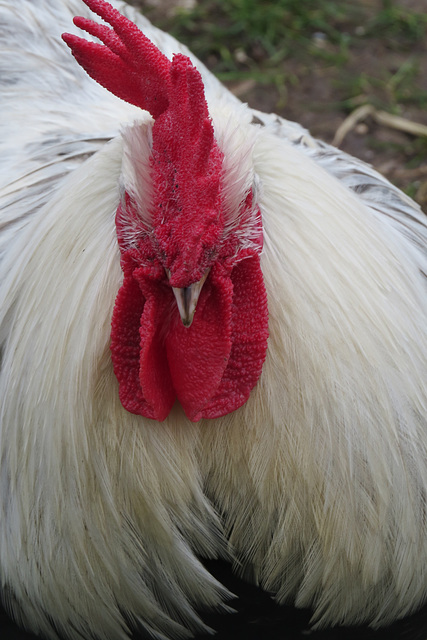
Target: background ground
[(317, 62)]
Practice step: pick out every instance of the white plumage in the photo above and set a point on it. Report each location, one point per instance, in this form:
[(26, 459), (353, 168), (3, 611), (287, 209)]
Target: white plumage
[(316, 486)]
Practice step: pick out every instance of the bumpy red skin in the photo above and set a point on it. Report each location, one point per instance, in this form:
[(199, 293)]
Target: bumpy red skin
[(211, 366)]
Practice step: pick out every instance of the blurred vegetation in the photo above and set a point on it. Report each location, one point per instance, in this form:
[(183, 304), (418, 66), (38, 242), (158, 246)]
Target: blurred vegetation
[(352, 52), (241, 39), (241, 34)]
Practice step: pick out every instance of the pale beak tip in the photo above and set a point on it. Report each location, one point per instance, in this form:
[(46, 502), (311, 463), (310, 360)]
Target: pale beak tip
[(186, 299)]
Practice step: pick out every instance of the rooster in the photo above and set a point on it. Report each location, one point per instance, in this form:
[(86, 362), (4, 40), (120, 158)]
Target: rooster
[(213, 339)]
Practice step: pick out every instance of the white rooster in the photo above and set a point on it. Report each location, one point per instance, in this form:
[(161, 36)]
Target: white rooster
[(147, 251)]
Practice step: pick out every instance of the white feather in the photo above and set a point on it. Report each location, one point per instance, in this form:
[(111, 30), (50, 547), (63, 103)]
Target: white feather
[(320, 478)]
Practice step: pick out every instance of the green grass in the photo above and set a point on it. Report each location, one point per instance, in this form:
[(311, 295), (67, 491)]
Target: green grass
[(391, 91), (241, 39), (396, 23), (242, 35)]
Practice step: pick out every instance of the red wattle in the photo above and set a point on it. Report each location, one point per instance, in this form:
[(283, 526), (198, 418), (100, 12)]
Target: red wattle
[(198, 355), (212, 366), (249, 334), (137, 346)]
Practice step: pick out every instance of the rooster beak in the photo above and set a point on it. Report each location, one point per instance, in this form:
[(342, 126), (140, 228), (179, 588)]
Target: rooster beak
[(186, 299)]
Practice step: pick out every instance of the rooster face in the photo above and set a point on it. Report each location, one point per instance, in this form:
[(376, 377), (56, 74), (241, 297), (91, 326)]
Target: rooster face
[(190, 319)]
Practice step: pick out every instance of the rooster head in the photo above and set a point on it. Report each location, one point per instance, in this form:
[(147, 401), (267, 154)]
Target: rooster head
[(190, 320)]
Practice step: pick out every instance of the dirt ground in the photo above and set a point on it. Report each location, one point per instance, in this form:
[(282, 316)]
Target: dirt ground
[(320, 93)]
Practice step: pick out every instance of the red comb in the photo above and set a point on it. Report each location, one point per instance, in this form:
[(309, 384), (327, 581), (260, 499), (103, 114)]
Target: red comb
[(128, 64), (186, 160), (187, 171)]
